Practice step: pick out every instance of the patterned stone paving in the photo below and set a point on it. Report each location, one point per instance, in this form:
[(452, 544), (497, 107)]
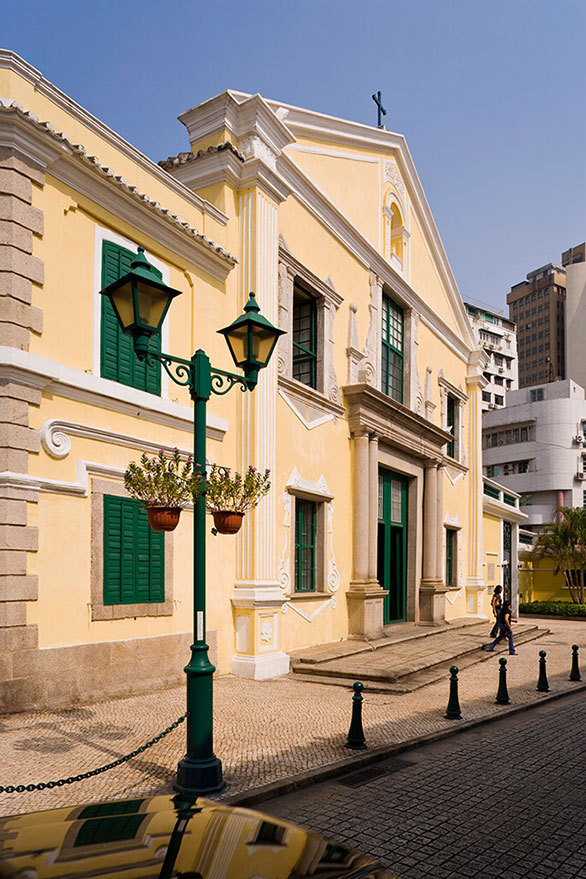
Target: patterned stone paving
[(265, 731)]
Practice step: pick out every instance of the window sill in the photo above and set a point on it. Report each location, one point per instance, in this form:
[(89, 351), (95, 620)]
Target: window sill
[(304, 394), (306, 596), (453, 462), (131, 611)]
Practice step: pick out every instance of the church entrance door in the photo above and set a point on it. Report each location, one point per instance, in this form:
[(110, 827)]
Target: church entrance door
[(392, 543)]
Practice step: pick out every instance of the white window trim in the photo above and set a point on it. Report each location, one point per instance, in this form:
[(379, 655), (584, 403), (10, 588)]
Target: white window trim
[(102, 234), (447, 388)]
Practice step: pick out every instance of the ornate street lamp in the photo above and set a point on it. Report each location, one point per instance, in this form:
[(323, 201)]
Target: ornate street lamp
[(141, 301)]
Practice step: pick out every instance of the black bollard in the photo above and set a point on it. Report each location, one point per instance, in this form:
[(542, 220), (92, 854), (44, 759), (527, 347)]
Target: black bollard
[(453, 710), (356, 739), (575, 672), (502, 696), (542, 684)]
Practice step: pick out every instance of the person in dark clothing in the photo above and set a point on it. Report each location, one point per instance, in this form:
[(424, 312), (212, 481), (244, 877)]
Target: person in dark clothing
[(505, 630), (496, 603)]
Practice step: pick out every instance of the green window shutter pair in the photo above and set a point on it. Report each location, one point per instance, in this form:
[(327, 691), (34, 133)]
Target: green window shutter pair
[(305, 534), (392, 349), (118, 360), (134, 554)]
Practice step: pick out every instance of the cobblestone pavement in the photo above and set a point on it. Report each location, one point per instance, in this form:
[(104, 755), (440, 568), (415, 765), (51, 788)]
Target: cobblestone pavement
[(264, 731), (501, 800)]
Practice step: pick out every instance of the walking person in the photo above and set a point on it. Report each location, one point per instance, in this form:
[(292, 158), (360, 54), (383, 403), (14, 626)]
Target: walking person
[(505, 629), (496, 603)]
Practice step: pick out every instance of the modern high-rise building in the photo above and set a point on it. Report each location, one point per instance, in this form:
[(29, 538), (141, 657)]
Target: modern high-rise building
[(537, 305), (498, 337), (575, 324)]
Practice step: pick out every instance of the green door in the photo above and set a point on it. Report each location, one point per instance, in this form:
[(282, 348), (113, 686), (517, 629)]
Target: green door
[(392, 543)]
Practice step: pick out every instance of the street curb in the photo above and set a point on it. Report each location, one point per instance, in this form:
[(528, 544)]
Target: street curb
[(341, 767)]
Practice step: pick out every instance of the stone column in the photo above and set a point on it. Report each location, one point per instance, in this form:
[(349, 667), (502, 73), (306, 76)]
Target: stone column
[(372, 508), (432, 589), (430, 522), (515, 568), (361, 509), (365, 596), (439, 558)]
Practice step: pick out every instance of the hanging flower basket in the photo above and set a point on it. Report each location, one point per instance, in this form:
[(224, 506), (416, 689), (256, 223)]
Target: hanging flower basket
[(163, 518), (229, 495), (227, 521)]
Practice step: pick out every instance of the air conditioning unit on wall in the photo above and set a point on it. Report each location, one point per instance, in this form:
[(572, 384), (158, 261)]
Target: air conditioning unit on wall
[(579, 439), (580, 475)]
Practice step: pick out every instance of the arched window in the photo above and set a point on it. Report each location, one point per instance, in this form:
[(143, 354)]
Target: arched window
[(396, 234)]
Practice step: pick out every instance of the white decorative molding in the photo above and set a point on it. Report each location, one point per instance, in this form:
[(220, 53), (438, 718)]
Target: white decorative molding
[(313, 490), (353, 352), (55, 434), (80, 488), (309, 617), (284, 571), (393, 176), (315, 422), (454, 474), (453, 595), (333, 573), (266, 628), (452, 521), (73, 384)]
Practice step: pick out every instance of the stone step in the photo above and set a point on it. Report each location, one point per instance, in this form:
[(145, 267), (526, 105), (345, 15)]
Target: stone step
[(403, 674), (396, 635)]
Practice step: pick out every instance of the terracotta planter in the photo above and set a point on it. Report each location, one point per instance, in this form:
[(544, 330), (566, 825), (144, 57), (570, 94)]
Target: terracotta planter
[(227, 522), (163, 518)]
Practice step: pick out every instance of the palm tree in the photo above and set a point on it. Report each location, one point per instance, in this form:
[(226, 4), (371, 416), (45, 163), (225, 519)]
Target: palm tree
[(564, 542)]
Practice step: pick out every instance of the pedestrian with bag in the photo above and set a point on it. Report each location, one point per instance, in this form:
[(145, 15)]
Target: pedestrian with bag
[(496, 603), (505, 629)]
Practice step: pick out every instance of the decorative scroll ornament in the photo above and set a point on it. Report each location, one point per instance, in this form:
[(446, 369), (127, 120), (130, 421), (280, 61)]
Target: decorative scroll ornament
[(392, 174), (333, 573), (283, 573)]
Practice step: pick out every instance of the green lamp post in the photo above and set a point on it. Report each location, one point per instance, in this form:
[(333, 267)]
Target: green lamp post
[(141, 301)]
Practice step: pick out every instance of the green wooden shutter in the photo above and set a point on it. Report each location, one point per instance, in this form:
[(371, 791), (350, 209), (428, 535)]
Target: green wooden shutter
[(451, 425), (449, 557), (118, 360), (134, 554), (392, 349)]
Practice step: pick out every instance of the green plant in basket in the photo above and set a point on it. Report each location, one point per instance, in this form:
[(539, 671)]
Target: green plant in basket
[(164, 483), (228, 490)]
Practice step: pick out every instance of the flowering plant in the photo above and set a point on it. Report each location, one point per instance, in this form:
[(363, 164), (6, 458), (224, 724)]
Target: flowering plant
[(233, 492), (165, 481)]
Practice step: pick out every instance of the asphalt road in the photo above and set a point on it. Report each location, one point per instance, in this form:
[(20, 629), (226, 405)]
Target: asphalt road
[(505, 800)]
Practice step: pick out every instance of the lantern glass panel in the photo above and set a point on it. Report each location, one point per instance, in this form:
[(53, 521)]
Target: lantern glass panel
[(122, 300), (238, 341), (152, 304), (262, 344)]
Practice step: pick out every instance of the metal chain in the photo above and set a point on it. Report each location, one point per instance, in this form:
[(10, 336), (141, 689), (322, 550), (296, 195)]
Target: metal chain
[(20, 788)]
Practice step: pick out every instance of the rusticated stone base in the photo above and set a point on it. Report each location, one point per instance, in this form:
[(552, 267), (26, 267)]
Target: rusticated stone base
[(61, 677), (365, 610), (432, 602)]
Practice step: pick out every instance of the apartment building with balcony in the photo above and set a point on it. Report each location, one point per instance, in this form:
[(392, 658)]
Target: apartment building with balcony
[(498, 336), (535, 447)]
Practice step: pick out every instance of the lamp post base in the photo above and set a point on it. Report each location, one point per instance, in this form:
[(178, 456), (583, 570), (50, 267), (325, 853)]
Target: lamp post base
[(199, 777)]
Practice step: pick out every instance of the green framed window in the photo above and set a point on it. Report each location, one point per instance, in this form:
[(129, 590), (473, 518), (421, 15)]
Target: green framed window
[(304, 337), (134, 554), (451, 537), (392, 349), (451, 426), (305, 550), (269, 834), (117, 358)]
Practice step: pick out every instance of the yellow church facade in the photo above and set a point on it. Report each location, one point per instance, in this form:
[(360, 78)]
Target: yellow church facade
[(368, 415)]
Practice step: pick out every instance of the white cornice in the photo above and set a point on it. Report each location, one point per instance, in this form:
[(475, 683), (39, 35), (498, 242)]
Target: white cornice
[(12, 61), (63, 381), (71, 164), (251, 116)]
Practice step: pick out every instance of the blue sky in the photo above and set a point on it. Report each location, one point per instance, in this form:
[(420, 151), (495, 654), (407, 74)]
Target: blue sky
[(490, 96)]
